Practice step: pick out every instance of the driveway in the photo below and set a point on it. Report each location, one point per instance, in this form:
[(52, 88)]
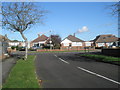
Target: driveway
[(66, 70)]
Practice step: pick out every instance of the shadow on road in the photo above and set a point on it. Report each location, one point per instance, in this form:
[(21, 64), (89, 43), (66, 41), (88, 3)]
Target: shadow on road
[(76, 57)]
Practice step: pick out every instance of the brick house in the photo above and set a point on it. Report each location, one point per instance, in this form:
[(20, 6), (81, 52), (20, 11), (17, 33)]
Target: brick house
[(104, 40), (72, 42), (39, 41)]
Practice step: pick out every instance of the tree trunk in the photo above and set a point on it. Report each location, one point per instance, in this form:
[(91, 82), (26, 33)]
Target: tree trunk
[(26, 45), (26, 49)]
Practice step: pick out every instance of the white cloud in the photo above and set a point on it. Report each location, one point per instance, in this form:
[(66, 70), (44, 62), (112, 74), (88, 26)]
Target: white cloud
[(84, 29)]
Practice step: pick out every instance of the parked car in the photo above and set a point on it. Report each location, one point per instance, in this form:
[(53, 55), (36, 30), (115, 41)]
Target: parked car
[(34, 48), (22, 49)]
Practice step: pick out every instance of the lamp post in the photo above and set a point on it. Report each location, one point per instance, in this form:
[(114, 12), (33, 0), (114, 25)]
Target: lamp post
[(50, 42)]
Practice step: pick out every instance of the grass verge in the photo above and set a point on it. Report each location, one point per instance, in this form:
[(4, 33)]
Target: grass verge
[(23, 75), (101, 57)]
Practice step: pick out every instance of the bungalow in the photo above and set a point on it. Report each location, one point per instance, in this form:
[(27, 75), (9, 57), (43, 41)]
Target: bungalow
[(39, 42), (16, 43), (72, 42), (104, 40)]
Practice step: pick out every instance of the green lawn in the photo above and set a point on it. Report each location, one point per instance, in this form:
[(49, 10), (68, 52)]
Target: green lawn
[(23, 75), (101, 57)]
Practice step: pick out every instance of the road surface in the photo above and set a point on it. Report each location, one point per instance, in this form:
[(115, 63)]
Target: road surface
[(66, 70)]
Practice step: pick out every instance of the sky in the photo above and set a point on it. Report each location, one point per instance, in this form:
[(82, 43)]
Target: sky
[(86, 19)]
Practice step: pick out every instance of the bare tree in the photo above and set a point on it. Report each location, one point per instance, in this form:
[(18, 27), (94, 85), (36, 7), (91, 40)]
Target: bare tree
[(20, 16), (116, 12), (115, 9), (56, 40)]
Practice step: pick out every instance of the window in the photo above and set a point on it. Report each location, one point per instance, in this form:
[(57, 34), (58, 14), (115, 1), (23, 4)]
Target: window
[(109, 36), (104, 37), (66, 44)]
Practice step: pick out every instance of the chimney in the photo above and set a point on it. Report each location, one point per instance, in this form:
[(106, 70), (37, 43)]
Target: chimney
[(38, 35), (5, 35), (6, 38), (74, 34)]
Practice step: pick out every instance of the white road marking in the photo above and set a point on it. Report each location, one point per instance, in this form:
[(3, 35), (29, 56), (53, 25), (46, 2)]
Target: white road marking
[(98, 75), (64, 61), (55, 55)]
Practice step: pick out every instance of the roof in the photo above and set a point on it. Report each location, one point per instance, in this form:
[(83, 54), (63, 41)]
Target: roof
[(74, 39), (3, 38), (16, 41), (105, 38), (40, 38)]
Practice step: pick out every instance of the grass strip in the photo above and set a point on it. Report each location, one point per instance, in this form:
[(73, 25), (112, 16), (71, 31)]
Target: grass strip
[(23, 75), (102, 57)]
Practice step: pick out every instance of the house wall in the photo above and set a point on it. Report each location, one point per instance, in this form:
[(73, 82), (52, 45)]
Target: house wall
[(4, 47), (110, 43), (88, 44), (20, 44), (14, 43), (103, 44), (33, 43), (67, 45), (77, 44), (66, 42)]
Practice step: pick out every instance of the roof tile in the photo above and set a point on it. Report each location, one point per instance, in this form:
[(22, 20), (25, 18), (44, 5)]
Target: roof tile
[(40, 38), (74, 39)]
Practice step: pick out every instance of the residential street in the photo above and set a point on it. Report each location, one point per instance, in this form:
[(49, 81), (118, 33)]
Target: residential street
[(66, 70)]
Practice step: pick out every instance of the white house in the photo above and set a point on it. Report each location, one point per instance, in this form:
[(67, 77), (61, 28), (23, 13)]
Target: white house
[(72, 42), (12, 43), (18, 43)]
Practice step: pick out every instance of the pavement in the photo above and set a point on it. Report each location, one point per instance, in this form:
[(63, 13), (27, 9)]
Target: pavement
[(7, 65), (66, 70)]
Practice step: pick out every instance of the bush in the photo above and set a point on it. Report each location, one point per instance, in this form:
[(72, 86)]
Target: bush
[(57, 46), (17, 48), (13, 47)]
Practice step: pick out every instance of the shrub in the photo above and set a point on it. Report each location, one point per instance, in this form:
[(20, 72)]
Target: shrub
[(13, 47)]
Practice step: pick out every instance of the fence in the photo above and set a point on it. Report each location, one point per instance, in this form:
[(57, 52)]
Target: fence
[(111, 51)]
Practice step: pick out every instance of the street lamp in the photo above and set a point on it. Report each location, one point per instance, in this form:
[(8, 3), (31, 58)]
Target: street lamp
[(50, 41)]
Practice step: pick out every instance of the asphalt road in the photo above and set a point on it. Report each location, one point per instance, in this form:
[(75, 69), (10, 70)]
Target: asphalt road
[(67, 70)]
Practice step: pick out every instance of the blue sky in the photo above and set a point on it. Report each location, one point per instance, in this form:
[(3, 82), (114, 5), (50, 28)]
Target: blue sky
[(65, 18)]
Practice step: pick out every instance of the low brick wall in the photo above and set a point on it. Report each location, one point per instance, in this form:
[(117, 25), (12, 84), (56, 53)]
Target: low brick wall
[(40, 50), (111, 52)]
